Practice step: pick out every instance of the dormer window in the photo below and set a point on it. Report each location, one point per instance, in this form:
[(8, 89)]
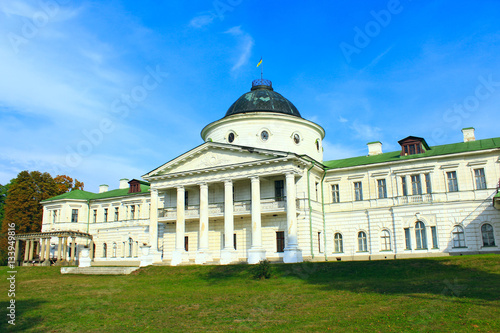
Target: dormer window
[(413, 145), (135, 185)]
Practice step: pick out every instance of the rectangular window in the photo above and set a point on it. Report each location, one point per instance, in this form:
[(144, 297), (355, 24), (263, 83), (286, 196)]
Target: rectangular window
[(94, 218), (408, 238), (452, 181), (132, 212), (416, 187), (316, 188), (335, 193), (74, 215), (186, 243), (412, 149), (234, 241), (434, 238), (358, 191), (279, 190), (186, 199), (280, 241), (117, 213), (403, 183), (54, 216), (428, 184), (480, 179), (319, 242), (382, 189), (105, 215)]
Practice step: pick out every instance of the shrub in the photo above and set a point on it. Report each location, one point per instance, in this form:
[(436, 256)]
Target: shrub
[(263, 270)]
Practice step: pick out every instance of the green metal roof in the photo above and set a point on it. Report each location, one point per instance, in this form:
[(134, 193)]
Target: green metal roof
[(394, 156), (84, 195)]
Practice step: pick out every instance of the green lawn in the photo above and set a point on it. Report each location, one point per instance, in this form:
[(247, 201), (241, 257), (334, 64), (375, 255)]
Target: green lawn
[(452, 294)]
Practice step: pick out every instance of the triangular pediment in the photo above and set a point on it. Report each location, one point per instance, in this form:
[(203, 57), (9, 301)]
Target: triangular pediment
[(212, 155)]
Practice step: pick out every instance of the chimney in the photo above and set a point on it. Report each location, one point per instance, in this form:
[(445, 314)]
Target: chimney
[(468, 134), (103, 188), (374, 148), (123, 183)]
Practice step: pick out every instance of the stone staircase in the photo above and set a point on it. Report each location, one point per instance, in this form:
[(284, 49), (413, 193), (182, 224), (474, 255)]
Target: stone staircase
[(98, 270)]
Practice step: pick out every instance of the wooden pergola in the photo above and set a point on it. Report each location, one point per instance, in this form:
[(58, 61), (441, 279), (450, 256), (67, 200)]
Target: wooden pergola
[(37, 247)]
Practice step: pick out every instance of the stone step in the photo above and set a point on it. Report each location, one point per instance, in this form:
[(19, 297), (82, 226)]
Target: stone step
[(98, 270)]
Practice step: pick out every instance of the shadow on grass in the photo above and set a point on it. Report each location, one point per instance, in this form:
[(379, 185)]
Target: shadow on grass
[(476, 277), (23, 320)]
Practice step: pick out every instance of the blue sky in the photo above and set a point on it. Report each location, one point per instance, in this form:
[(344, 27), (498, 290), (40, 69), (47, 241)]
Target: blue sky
[(108, 90)]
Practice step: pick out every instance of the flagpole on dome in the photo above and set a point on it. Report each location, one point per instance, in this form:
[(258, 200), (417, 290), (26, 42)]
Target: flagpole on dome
[(261, 68)]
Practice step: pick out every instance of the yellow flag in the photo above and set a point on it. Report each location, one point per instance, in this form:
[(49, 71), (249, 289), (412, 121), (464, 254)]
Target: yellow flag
[(260, 62)]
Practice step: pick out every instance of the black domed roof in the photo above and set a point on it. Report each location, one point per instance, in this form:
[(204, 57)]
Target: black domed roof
[(262, 98)]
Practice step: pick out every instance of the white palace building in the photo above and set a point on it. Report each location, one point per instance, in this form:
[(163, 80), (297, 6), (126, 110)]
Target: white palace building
[(258, 188)]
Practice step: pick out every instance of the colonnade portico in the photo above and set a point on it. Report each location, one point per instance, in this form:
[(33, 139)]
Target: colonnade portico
[(256, 252), (38, 246)]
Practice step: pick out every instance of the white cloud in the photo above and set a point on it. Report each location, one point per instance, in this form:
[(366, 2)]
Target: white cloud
[(366, 132), (202, 20), (342, 119), (334, 151), (245, 45)]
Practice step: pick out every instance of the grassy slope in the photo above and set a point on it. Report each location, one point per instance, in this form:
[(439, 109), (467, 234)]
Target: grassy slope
[(443, 294)]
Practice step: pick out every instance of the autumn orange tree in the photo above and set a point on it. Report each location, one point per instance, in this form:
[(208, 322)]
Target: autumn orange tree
[(22, 202)]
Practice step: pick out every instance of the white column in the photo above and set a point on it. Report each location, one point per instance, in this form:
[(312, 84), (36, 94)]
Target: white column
[(256, 253), (153, 220), (292, 251), (73, 248), (180, 255), (228, 254), (203, 255), (42, 249)]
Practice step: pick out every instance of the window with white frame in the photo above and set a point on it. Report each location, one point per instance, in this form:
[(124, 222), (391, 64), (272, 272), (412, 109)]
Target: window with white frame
[(487, 234), (74, 215), (385, 239), (335, 193), (132, 211), (362, 242), (117, 213), (416, 186), (105, 215), (114, 250), (382, 188), (358, 191), (435, 244), (403, 186), (338, 243), (452, 181), (480, 179), (420, 235), (407, 238), (54, 216), (94, 217), (104, 250), (428, 184), (458, 236)]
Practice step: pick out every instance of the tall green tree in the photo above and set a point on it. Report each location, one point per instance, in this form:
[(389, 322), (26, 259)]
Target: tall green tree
[(22, 202)]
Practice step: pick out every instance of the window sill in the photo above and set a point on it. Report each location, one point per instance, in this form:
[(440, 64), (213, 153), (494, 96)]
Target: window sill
[(459, 247), (385, 250), (425, 249), (361, 251)]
